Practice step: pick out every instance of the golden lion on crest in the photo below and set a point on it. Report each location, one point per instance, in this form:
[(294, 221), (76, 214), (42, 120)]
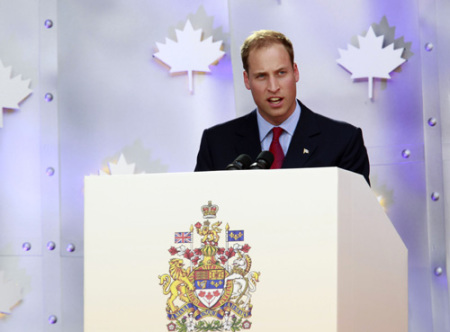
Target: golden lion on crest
[(179, 284)]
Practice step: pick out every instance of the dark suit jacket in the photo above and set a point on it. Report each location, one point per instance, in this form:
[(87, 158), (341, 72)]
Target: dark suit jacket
[(327, 142)]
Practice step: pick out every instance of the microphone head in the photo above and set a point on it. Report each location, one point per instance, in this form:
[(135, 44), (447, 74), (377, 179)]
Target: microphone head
[(263, 161), (243, 161), (267, 156)]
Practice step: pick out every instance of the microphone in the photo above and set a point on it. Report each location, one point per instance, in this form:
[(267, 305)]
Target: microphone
[(243, 161), (263, 161)]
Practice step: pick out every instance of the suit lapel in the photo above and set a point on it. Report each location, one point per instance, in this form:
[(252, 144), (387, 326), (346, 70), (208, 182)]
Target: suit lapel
[(248, 137), (303, 143)]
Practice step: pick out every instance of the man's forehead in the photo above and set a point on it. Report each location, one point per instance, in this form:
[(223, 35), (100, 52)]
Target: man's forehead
[(258, 61)]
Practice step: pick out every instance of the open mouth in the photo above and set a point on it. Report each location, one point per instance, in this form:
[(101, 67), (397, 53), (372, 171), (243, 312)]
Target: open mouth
[(275, 100)]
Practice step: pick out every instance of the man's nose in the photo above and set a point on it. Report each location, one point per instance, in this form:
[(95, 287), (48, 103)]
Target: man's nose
[(273, 85)]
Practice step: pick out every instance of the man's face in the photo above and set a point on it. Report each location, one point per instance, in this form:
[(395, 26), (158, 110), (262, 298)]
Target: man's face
[(271, 77)]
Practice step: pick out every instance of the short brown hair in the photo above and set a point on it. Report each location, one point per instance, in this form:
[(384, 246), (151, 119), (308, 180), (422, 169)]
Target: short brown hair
[(264, 38)]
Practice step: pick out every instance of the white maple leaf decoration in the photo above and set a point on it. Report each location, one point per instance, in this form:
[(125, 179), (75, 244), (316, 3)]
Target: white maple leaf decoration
[(189, 53), (120, 168), (10, 295), (371, 60), (12, 90)]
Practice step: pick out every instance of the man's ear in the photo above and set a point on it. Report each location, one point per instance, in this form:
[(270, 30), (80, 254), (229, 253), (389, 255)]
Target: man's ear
[(247, 83), (296, 73)]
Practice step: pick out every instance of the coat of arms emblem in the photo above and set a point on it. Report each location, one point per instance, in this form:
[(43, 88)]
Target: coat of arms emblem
[(214, 292)]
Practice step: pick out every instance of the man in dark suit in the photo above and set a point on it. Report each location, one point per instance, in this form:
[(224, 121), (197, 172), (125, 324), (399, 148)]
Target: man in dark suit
[(306, 139)]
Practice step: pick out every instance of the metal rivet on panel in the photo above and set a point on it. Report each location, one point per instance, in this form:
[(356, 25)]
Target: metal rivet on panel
[(50, 171), (51, 245), (48, 97), (438, 271), (70, 247), (435, 196), (429, 47), (432, 122), (52, 319), (406, 153), (26, 246), (48, 24)]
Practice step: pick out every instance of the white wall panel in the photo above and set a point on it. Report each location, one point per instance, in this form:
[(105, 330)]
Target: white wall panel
[(443, 40), (20, 135), (20, 199)]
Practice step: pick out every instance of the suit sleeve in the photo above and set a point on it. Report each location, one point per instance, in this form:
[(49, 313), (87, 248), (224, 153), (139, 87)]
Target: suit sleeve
[(204, 161), (355, 157)]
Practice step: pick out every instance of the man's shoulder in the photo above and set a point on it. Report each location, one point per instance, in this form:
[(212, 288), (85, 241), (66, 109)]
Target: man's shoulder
[(326, 123)]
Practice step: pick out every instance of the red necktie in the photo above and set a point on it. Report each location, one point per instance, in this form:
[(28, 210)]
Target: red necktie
[(276, 149)]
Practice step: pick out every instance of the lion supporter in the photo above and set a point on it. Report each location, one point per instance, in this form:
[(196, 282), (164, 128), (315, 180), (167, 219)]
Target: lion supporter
[(295, 135)]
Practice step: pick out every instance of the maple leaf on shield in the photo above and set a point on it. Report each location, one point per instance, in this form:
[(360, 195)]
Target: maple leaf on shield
[(10, 295), (371, 60), (12, 90), (189, 53)]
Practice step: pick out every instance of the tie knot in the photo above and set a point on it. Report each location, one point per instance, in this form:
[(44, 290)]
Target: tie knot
[(277, 131)]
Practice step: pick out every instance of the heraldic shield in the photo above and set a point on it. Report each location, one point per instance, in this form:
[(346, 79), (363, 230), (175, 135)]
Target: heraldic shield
[(209, 282), (214, 292)]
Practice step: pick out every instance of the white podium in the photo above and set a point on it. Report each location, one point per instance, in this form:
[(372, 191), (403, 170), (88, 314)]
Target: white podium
[(295, 250)]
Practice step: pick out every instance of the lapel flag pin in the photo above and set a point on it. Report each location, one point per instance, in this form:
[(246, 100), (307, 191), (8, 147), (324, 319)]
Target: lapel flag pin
[(305, 151)]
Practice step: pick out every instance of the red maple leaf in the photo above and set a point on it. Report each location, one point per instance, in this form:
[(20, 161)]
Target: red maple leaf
[(198, 225), (173, 251), (220, 251), (209, 296), (223, 259), (201, 294), (246, 248), (188, 254), (216, 293), (230, 252)]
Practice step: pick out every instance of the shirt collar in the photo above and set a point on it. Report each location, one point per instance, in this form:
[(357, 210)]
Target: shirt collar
[(288, 125)]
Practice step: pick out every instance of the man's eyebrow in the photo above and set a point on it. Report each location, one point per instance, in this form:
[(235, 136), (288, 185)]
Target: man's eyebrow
[(256, 73), (282, 68)]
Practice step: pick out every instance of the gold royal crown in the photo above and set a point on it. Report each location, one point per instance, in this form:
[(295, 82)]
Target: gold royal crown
[(209, 211)]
